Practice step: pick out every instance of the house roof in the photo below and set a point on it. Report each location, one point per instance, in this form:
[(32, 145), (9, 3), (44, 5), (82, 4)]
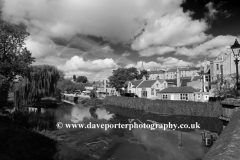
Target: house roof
[(157, 72), (195, 78), (185, 81), (172, 70), (161, 80), (147, 83), (184, 89), (135, 83), (174, 81)]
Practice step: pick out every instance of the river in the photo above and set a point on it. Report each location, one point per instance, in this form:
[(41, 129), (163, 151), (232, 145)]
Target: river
[(123, 144)]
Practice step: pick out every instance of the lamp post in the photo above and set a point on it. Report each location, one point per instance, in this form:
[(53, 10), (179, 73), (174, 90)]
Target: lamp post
[(236, 52)]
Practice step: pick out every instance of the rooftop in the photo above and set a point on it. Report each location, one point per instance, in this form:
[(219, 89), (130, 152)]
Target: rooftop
[(147, 83), (135, 83), (184, 89)]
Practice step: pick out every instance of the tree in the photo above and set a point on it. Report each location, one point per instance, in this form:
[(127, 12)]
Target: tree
[(93, 94), (42, 82), (82, 79), (121, 76), (143, 73), (69, 86), (15, 59), (225, 87), (74, 78)]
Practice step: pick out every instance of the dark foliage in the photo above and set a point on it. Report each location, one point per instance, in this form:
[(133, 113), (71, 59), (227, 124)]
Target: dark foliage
[(169, 107), (15, 59), (82, 79)]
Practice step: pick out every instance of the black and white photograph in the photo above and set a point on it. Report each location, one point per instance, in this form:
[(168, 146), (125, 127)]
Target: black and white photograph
[(119, 80)]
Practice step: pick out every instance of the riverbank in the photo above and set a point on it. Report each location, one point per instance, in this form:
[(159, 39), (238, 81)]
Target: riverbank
[(19, 143)]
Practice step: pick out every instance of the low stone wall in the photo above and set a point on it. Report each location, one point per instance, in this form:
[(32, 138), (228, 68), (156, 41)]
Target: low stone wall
[(227, 146)]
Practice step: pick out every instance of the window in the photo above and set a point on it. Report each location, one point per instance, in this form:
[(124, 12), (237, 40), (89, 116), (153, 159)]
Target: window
[(165, 85), (129, 91), (152, 91), (198, 96), (157, 85), (164, 96), (207, 78), (217, 66), (184, 96)]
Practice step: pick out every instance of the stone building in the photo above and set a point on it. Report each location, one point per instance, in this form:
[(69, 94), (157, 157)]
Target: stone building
[(223, 66)]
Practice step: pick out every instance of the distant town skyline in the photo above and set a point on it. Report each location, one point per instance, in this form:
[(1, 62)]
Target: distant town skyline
[(91, 38)]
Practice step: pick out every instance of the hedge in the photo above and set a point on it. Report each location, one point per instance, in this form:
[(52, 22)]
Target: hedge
[(168, 107)]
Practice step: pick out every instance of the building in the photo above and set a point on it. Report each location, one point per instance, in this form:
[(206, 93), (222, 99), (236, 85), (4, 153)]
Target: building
[(146, 88), (177, 93), (223, 66), (149, 88), (88, 86), (171, 73), (153, 75), (132, 86), (105, 87), (201, 96)]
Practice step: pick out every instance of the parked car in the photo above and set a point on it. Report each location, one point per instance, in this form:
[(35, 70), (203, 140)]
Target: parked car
[(129, 95)]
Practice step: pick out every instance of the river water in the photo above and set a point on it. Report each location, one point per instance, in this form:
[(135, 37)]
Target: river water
[(123, 144)]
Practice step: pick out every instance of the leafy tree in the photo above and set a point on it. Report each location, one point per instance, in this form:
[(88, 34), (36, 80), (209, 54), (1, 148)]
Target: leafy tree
[(121, 76), (82, 79), (93, 94), (15, 59), (42, 82), (69, 86), (143, 73), (225, 87), (74, 78), (62, 75)]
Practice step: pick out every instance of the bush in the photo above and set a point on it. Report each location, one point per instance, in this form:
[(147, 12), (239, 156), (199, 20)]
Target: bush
[(207, 109)]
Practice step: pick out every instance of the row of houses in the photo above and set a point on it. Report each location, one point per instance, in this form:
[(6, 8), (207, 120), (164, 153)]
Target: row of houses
[(194, 88), (101, 87)]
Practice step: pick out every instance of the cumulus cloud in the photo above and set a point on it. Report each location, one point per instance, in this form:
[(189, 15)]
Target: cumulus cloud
[(115, 21), (176, 29), (77, 63), (211, 48), (200, 64), (164, 63), (146, 65), (171, 62), (156, 51)]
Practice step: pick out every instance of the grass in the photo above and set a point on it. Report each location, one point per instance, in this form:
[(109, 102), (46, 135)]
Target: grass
[(167, 107)]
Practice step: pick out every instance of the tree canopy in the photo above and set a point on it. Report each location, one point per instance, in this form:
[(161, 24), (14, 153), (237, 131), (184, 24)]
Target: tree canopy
[(42, 82), (122, 75), (15, 59), (82, 79), (69, 86), (74, 78)]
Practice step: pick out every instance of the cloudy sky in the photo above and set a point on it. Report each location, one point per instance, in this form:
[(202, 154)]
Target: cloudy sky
[(92, 37)]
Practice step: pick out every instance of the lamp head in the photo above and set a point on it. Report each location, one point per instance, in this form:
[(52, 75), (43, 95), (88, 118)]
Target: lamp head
[(236, 48)]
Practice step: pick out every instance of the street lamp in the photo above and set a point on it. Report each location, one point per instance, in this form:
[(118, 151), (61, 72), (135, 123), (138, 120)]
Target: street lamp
[(236, 52)]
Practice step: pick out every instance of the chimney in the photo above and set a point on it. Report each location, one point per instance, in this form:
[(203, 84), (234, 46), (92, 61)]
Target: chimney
[(178, 78)]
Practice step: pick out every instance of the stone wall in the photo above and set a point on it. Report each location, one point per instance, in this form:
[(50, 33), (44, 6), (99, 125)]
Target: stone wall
[(227, 146)]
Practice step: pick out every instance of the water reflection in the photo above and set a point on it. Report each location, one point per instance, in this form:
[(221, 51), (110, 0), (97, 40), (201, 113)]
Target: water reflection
[(117, 143)]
